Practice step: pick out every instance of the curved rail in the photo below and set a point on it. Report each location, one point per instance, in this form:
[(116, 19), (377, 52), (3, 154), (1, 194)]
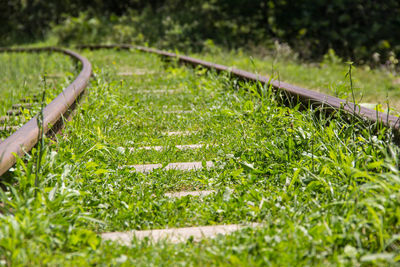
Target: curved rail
[(26, 137), (302, 94)]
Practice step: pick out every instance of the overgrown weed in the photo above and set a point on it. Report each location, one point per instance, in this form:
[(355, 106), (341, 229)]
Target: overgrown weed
[(284, 167)]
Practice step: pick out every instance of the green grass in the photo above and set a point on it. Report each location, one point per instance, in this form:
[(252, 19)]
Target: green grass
[(23, 76), (373, 86), (322, 196)]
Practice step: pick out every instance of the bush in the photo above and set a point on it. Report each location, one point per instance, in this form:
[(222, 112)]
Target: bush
[(354, 29)]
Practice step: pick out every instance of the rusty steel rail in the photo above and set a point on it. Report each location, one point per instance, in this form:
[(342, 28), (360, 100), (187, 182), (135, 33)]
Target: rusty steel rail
[(26, 137), (306, 96)]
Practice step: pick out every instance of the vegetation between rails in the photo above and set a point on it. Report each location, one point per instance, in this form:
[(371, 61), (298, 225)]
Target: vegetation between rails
[(325, 191)]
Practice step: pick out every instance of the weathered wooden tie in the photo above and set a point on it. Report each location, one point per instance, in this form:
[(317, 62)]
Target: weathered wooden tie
[(179, 166), (176, 235)]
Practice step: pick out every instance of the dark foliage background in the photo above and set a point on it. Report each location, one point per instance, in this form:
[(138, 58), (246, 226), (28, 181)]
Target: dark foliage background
[(353, 28)]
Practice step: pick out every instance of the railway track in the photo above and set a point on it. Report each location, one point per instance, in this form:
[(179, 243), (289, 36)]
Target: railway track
[(26, 137), (296, 93), (171, 155), (153, 167)]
